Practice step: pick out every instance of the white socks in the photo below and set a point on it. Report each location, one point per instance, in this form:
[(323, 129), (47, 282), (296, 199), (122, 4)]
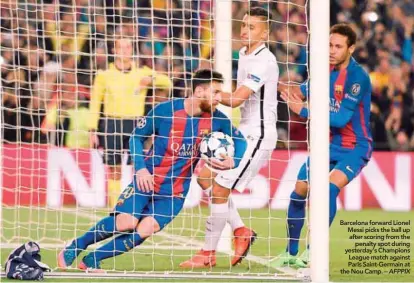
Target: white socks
[(220, 214), (234, 218), (215, 225)]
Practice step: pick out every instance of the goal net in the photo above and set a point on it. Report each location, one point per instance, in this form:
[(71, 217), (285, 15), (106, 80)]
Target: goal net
[(55, 183)]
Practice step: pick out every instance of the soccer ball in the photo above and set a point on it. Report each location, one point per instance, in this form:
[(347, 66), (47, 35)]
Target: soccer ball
[(215, 145)]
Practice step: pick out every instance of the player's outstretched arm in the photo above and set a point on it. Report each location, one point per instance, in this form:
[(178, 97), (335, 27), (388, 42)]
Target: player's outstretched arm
[(236, 98), (258, 75)]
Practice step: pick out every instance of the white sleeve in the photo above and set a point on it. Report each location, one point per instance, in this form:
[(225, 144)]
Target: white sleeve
[(257, 75)]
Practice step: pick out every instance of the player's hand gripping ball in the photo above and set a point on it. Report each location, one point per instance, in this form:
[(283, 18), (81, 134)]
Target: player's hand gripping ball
[(216, 145)]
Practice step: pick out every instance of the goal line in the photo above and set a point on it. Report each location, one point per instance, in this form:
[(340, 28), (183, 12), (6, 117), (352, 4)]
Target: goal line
[(177, 243)]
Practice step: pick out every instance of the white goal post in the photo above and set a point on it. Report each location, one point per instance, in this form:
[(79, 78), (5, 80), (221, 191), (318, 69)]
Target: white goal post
[(222, 54), (319, 140)]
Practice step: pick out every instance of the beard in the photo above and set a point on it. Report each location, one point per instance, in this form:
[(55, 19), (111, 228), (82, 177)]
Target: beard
[(342, 59), (206, 107), (340, 62)]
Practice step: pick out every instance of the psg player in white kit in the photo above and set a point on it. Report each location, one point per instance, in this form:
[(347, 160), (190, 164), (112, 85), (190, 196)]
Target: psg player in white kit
[(256, 94)]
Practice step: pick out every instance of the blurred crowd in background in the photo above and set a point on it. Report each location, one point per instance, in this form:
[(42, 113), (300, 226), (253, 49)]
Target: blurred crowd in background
[(52, 49), (385, 48)]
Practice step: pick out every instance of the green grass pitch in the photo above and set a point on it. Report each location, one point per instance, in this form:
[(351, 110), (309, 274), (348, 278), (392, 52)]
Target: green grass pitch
[(52, 227)]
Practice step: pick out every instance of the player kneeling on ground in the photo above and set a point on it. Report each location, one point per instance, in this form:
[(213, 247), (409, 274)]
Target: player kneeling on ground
[(162, 178)]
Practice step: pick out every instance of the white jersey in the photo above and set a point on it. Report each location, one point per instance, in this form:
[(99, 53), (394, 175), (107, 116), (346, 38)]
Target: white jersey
[(259, 72)]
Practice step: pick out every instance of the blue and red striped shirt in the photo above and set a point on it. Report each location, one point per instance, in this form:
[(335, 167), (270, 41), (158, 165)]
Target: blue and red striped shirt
[(177, 137), (350, 104)]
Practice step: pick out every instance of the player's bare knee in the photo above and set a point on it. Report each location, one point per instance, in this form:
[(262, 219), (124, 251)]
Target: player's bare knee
[(301, 188), (220, 194), (338, 178), (125, 222), (205, 178), (204, 182), (147, 227)]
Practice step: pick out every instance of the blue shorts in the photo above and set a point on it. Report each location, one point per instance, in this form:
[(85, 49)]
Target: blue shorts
[(162, 208), (350, 164)]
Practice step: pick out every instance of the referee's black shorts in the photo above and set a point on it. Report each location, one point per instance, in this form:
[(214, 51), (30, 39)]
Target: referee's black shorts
[(115, 139)]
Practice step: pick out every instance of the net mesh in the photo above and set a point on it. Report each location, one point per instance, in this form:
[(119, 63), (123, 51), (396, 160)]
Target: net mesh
[(55, 186)]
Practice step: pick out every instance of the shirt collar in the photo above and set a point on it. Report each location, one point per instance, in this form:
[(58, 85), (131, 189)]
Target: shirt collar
[(113, 67), (352, 63), (254, 51)]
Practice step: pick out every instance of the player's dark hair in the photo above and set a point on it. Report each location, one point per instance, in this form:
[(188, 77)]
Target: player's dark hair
[(260, 12), (345, 30), (206, 76)]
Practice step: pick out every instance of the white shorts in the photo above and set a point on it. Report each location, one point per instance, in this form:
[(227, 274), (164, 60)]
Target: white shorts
[(253, 160)]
